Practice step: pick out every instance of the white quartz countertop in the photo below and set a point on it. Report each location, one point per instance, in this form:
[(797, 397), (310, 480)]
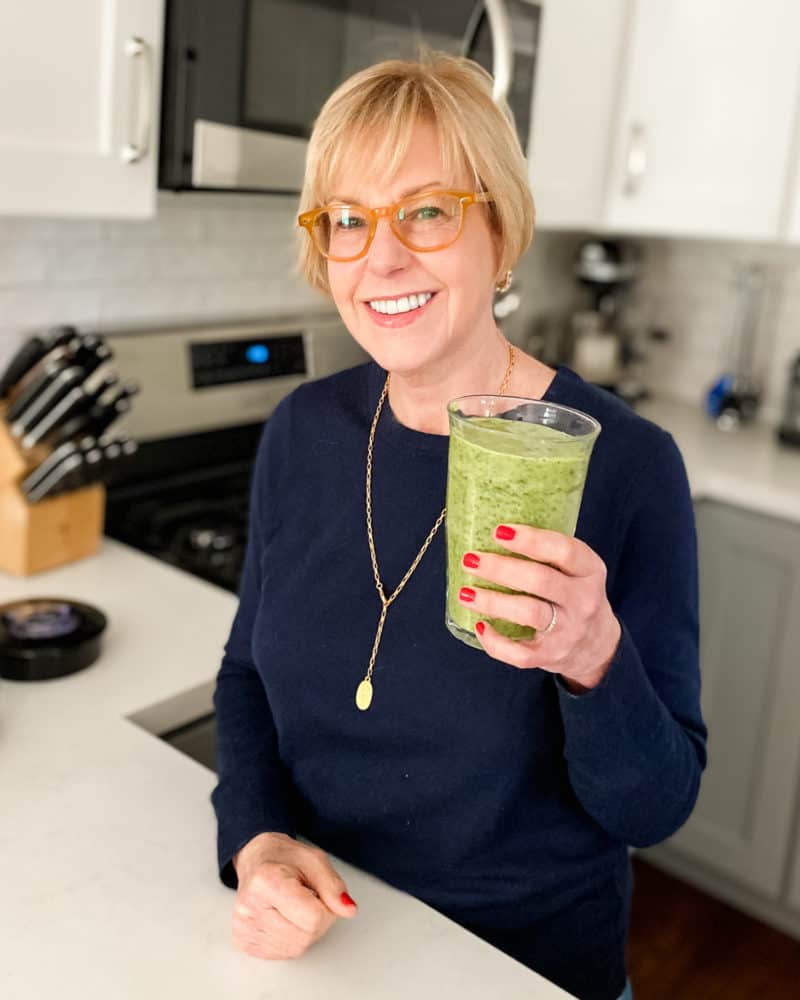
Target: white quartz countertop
[(108, 878), (746, 467)]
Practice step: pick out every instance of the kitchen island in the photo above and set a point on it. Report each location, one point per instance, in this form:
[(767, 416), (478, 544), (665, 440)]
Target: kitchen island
[(107, 839)]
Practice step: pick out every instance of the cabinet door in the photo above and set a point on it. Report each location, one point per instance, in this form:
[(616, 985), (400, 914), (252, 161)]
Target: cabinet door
[(703, 137), (79, 100), (577, 76), (749, 637)]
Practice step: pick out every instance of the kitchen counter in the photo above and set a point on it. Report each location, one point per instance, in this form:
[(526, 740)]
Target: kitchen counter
[(107, 839), (746, 468)]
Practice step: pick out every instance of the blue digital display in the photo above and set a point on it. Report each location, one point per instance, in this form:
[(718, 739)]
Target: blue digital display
[(258, 358), (258, 354)]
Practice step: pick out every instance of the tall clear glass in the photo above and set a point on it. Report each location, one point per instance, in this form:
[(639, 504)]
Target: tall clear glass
[(510, 461)]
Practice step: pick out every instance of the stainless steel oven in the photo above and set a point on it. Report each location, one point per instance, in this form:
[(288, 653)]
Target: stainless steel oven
[(205, 393), (244, 80)]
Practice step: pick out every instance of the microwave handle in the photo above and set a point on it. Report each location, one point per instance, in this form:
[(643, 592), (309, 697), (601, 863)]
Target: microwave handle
[(502, 44)]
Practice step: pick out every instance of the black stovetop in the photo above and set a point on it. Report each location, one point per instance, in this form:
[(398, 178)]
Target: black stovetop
[(183, 504)]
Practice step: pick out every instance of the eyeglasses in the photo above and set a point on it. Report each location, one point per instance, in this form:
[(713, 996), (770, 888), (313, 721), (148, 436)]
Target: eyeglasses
[(423, 222)]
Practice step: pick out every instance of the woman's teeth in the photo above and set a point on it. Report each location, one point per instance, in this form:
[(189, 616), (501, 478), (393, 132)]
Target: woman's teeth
[(389, 307)]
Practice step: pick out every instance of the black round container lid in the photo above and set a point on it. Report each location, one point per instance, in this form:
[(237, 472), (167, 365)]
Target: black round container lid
[(46, 637)]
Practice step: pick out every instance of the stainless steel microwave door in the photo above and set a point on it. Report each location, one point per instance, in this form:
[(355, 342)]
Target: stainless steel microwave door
[(244, 80)]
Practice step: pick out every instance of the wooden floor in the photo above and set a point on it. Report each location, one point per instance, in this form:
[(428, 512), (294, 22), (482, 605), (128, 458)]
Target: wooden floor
[(684, 945)]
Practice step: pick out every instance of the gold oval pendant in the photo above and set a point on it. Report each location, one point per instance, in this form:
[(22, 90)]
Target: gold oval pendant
[(364, 695)]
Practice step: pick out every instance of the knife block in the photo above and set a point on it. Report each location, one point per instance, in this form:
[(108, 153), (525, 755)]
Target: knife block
[(39, 536)]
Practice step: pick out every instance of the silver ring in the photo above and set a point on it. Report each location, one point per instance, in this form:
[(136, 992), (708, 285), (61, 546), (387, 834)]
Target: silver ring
[(553, 620)]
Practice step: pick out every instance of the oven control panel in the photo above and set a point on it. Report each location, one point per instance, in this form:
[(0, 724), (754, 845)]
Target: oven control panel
[(202, 378), (221, 362)]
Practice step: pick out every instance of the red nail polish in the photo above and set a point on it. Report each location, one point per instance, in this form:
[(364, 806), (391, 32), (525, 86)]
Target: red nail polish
[(471, 561), (347, 900), (466, 594), (504, 533), (480, 627)]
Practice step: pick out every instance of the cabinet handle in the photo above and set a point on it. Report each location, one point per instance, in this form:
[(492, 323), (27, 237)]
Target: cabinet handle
[(635, 161), (137, 50)]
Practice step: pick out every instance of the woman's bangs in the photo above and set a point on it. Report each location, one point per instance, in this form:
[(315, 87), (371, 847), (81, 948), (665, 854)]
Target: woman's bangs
[(375, 148)]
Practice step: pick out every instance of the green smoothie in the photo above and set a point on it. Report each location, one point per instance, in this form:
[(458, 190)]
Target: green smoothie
[(505, 471)]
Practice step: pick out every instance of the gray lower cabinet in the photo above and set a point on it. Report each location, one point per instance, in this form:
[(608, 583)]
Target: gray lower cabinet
[(743, 838)]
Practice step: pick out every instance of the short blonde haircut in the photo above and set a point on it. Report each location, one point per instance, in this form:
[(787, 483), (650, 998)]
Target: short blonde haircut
[(367, 124)]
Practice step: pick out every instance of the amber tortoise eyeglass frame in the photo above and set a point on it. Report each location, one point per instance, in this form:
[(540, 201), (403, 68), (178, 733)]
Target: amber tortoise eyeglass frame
[(396, 214)]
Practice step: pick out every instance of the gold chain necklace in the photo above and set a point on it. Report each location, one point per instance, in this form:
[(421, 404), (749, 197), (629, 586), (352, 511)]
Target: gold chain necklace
[(364, 690)]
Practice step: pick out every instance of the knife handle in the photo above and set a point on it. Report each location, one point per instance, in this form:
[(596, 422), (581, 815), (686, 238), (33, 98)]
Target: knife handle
[(30, 391), (63, 407), (31, 353), (91, 356), (110, 415), (51, 481), (47, 466), (49, 396), (74, 427)]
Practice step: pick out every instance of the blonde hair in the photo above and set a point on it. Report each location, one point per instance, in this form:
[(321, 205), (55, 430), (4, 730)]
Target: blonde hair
[(371, 116)]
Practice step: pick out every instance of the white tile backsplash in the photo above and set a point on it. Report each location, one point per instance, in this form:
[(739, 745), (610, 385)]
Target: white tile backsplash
[(690, 288), (218, 256)]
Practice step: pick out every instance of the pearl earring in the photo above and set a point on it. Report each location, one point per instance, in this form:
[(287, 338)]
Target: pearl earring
[(505, 283)]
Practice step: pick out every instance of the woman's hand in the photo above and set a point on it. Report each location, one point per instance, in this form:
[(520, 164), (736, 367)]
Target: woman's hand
[(288, 897), (564, 571)]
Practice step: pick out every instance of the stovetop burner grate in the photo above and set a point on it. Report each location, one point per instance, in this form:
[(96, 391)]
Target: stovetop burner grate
[(199, 527)]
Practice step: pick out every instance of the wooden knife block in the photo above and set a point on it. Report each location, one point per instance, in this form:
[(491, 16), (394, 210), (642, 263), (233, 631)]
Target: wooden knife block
[(38, 536)]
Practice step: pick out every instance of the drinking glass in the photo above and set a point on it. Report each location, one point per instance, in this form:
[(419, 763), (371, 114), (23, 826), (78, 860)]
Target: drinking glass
[(510, 461)]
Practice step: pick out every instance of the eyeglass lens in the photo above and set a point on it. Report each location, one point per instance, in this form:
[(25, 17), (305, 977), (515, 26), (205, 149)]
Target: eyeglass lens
[(423, 223)]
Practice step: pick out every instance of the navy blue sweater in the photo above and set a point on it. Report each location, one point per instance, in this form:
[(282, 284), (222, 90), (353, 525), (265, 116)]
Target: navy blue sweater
[(491, 793)]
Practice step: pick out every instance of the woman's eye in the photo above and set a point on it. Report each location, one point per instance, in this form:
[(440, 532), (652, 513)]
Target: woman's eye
[(427, 212), (350, 222)]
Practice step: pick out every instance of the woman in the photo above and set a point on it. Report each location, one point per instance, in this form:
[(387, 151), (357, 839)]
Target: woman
[(501, 785)]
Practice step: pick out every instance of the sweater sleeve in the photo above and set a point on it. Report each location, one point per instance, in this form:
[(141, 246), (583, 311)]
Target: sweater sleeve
[(636, 744), (252, 793)]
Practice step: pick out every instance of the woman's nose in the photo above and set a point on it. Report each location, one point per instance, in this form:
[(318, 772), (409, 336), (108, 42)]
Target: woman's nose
[(387, 253)]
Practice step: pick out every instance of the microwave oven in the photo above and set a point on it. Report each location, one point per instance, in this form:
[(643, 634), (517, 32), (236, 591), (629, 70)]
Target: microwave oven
[(244, 80)]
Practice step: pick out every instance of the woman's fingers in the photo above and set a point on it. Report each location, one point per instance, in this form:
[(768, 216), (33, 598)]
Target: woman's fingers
[(297, 902), (271, 935), (523, 575), (568, 554), (519, 653), (320, 876), (280, 887), (518, 608)]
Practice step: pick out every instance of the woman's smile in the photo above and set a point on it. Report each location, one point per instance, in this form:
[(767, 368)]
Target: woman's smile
[(400, 311)]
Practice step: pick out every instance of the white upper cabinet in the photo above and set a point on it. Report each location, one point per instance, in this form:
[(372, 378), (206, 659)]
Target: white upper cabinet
[(703, 138), (573, 101), (79, 102)]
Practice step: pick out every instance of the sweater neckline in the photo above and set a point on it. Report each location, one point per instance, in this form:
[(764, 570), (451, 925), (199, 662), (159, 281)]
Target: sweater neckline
[(396, 435)]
